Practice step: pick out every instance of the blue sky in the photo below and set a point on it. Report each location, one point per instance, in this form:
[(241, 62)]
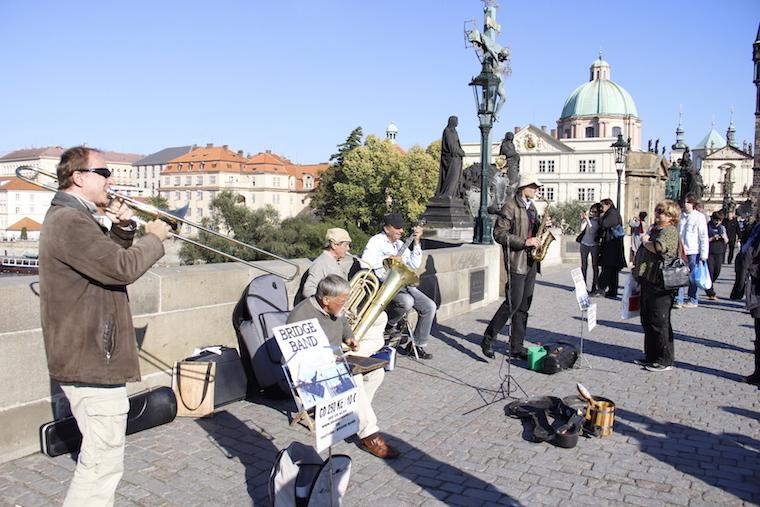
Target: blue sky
[(296, 77)]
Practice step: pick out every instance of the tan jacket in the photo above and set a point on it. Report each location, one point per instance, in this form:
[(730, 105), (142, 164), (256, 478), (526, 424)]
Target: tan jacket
[(84, 273), (512, 229)]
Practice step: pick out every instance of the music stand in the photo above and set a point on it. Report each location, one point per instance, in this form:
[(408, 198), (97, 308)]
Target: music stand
[(578, 362)]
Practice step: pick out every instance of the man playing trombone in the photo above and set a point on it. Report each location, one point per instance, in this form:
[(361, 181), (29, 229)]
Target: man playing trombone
[(86, 262), (388, 244)]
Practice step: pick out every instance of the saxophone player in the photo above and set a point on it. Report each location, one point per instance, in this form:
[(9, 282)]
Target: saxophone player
[(515, 230)]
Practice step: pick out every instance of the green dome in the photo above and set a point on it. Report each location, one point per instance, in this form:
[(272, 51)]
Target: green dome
[(599, 97)]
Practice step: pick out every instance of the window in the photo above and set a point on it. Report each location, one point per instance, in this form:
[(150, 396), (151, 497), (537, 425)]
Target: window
[(275, 198), (189, 211), (212, 179), (253, 181), (586, 194), (18, 209), (546, 166), (616, 131), (308, 181), (176, 181), (587, 166), (187, 195), (212, 194), (199, 212), (276, 181), (590, 132), (546, 193), (567, 133), (166, 181), (199, 179), (188, 180), (199, 195), (582, 166), (253, 198), (176, 196)]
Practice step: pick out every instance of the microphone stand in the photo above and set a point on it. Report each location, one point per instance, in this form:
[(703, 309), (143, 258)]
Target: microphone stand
[(508, 379)]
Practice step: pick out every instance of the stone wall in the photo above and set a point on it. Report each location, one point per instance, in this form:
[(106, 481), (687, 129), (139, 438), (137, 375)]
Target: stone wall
[(175, 310)]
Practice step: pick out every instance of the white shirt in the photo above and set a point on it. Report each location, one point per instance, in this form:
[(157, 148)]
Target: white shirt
[(380, 247), (693, 231)]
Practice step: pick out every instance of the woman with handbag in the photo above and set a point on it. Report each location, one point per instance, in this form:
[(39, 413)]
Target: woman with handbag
[(750, 271), (662, 245), (589, 243), (611, 257)]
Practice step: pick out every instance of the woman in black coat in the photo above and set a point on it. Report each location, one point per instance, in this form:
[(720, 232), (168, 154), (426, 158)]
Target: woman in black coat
[(611, 258)]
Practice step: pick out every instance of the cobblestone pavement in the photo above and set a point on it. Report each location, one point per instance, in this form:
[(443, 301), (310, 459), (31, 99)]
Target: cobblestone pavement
[(690, 436)]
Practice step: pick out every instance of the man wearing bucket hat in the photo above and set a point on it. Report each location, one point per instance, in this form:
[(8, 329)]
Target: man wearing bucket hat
[(515, 230), (388, 244)]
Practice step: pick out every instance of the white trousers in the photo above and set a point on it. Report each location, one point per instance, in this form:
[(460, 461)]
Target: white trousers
[(101, 414), (367, 385)]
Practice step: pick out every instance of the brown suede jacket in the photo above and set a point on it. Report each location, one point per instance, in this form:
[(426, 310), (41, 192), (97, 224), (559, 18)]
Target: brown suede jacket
[(84, 273), (512, 229)]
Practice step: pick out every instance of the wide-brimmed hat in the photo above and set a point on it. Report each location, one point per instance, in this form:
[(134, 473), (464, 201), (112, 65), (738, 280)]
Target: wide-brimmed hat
[(528, 180), (337, 235), (394, 220)]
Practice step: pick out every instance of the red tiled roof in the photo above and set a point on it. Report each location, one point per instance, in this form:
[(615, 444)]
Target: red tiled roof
[(27, 223), (14, 183), (24, 154), (268, 158)]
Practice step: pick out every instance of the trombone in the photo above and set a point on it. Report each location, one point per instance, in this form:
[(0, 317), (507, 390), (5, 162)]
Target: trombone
[(173, 218)]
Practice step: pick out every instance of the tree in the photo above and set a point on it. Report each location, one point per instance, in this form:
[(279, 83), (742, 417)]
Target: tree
[(292, 238), (566, 215), (322, 199), (376, 178), (24, 234)]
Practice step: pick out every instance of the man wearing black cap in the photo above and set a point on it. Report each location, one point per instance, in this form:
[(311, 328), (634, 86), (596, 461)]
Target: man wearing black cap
[(388, 244), (516, 230)]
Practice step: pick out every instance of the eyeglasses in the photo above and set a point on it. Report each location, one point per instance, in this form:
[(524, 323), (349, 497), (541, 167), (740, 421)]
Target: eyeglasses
[(102, 171)]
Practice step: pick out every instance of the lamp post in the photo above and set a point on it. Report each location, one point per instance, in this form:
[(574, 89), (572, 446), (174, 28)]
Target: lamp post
[(620, 149), (484, 87)]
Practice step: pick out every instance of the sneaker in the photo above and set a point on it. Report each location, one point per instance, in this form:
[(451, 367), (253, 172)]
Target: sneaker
[(677, 306), (658, 367), (689, 304), (712, 297), (641, 362)]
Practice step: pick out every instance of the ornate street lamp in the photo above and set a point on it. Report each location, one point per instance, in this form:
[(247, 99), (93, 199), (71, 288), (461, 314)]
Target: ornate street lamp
[(485, 86), (620, 149)]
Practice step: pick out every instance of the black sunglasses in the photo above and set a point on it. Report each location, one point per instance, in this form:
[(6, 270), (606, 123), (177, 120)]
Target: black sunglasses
[(659, 210), (102, 171)]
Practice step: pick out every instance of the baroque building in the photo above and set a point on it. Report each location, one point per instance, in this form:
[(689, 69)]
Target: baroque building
[(575, 162)]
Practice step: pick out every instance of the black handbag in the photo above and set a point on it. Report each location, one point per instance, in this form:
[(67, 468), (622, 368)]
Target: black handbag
[(675, 273)]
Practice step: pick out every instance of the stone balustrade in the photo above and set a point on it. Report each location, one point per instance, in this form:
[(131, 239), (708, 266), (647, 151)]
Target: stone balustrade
[(177, 309)]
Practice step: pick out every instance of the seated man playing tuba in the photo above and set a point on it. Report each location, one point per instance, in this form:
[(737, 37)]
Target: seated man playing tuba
[(388, 244)]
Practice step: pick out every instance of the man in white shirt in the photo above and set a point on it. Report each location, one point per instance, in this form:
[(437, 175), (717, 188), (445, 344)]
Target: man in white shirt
[(693, 231), (388, 244)]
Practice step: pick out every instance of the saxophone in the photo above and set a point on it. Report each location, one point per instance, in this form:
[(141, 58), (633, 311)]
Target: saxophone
[(546, 236)]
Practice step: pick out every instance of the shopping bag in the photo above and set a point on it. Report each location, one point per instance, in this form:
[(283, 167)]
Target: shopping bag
[(630, 305), (193, 385), (701, 276)]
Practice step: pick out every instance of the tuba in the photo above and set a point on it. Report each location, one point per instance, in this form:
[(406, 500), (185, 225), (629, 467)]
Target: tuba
[(546, 235), (368, 298)]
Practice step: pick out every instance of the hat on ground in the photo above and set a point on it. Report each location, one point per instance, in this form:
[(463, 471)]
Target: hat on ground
[(527, 180), (394, 220), (337, 235)]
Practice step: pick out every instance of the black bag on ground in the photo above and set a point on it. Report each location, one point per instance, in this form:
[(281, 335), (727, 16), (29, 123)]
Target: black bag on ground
[(263, 306), (147, 409), (559, 356), (230, 383), (563, 429)]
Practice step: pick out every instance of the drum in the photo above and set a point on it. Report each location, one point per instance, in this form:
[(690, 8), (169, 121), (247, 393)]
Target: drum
[(600, 418)]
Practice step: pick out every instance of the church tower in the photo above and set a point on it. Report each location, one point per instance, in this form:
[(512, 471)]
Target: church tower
[(756, 165)]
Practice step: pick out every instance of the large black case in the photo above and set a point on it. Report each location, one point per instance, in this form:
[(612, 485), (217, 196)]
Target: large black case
[(262, 307), (559, 356), (146, 410), (230, 382)]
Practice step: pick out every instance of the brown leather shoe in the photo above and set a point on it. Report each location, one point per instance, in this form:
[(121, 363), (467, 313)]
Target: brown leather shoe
[(376, 444)]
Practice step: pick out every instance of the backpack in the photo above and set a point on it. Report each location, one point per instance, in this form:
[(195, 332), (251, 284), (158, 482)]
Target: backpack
[(300, 478)]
